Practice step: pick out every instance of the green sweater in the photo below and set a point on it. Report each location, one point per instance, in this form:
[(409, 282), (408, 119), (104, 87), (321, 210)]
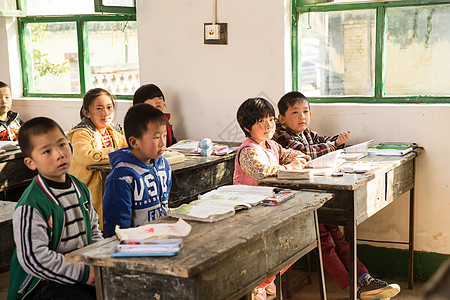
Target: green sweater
[(38, 198)]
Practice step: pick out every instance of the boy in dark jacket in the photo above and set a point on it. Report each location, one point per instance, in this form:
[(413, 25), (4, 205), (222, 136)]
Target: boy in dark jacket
[(9, 120), (137, 189)]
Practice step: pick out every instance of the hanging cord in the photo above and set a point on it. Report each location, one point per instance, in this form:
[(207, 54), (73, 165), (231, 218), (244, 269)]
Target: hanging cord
[(309, 21), (214, 21), (126, 23)]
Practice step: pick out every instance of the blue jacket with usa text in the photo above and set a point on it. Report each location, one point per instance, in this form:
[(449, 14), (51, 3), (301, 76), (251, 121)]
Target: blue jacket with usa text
[(135, 193)]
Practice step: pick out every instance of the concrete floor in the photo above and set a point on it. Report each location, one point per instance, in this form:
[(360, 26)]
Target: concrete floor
[(303, 292), (334, 292)]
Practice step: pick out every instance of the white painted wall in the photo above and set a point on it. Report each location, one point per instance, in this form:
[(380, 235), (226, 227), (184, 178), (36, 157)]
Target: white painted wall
[(205, 84)]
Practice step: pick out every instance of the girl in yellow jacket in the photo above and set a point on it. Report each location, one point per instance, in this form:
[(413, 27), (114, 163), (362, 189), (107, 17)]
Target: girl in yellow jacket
[(92, 139)]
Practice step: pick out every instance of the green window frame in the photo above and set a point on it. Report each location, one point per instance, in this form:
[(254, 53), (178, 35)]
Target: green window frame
[(100, 7), (379, 87), (83, 48)]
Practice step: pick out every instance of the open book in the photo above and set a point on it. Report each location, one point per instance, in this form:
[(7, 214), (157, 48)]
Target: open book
[(356, 152), (207, 210), (324, 165), (222, 203), (151, 231), (185, 146), (174, 157), (8, 146)]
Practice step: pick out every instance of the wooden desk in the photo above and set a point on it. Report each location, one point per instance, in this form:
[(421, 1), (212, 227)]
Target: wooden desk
[(13, 172), (358, 197), (6, 234), (222, 260), (195, 176)]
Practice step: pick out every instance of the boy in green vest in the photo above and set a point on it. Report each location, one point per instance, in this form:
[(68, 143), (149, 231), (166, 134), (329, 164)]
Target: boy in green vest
[(54, 216)]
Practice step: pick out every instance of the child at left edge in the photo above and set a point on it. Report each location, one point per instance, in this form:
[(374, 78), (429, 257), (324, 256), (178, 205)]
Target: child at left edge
[(9, 120), (137, 189), (54, 216), (259, 156)]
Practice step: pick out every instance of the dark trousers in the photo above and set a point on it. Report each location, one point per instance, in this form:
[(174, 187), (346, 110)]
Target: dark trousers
[(336, 255), (47, 290)]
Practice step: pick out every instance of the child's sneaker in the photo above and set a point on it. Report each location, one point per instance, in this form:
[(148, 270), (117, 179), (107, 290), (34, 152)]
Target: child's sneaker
[(271, 289), (377, 289), (259, 293)]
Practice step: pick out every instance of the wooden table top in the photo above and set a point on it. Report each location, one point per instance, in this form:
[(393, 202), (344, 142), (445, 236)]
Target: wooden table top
[(348, 181), (9, 155), (6, 210), (190, 162), (207, 242)]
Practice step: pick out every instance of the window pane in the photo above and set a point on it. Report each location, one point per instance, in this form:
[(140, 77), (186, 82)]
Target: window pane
[(8, 5), (337, 53), (114, 56), (59, 7), (123, 3), (54, 58), (417, 50)]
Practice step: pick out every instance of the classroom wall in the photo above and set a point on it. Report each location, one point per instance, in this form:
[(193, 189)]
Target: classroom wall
[(205, 84)]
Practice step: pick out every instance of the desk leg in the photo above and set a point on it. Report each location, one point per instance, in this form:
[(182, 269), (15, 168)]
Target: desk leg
[(411, 240), (323, 290), (279, 288), (98, 283), (104, 174), (353, 255)]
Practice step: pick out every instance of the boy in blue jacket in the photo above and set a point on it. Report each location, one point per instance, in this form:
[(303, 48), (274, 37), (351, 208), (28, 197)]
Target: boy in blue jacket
[(137, 189)]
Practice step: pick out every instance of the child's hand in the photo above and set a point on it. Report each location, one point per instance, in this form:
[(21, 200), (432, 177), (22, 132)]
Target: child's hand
[(91, 278), (342, 138), (298, 164)]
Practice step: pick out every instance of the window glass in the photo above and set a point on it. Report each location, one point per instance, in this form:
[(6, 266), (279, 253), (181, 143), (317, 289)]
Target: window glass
[(417, 50), (59, 7), (123, 3), (337, 53), (54, 58), (8, 5), (113, 55)]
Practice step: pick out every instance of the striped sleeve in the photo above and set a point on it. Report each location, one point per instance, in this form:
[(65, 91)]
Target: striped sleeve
[(34, 254), (95, 226)]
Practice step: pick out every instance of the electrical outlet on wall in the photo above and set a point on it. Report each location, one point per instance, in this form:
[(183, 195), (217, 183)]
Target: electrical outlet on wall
[(215, 34), (212, 32)]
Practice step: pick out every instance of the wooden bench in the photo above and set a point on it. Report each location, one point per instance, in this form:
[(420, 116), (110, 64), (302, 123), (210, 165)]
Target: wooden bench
[(6, 234)]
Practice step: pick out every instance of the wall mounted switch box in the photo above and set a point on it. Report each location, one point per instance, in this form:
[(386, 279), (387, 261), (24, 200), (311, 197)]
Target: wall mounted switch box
[(216, 34), (212, 32)]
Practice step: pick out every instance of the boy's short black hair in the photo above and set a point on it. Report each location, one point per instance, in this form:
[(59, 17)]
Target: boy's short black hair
[(3, 85), (145, 92), (289, 100), (32, 128), (253, 110), (137, 118)]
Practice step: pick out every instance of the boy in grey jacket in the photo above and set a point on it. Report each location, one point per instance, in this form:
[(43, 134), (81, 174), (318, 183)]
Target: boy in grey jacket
[(54, 216)]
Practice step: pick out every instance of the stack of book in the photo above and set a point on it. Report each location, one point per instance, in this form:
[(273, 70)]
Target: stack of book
[(160, 239), (391, 149), (149, 247), (192, 147)]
